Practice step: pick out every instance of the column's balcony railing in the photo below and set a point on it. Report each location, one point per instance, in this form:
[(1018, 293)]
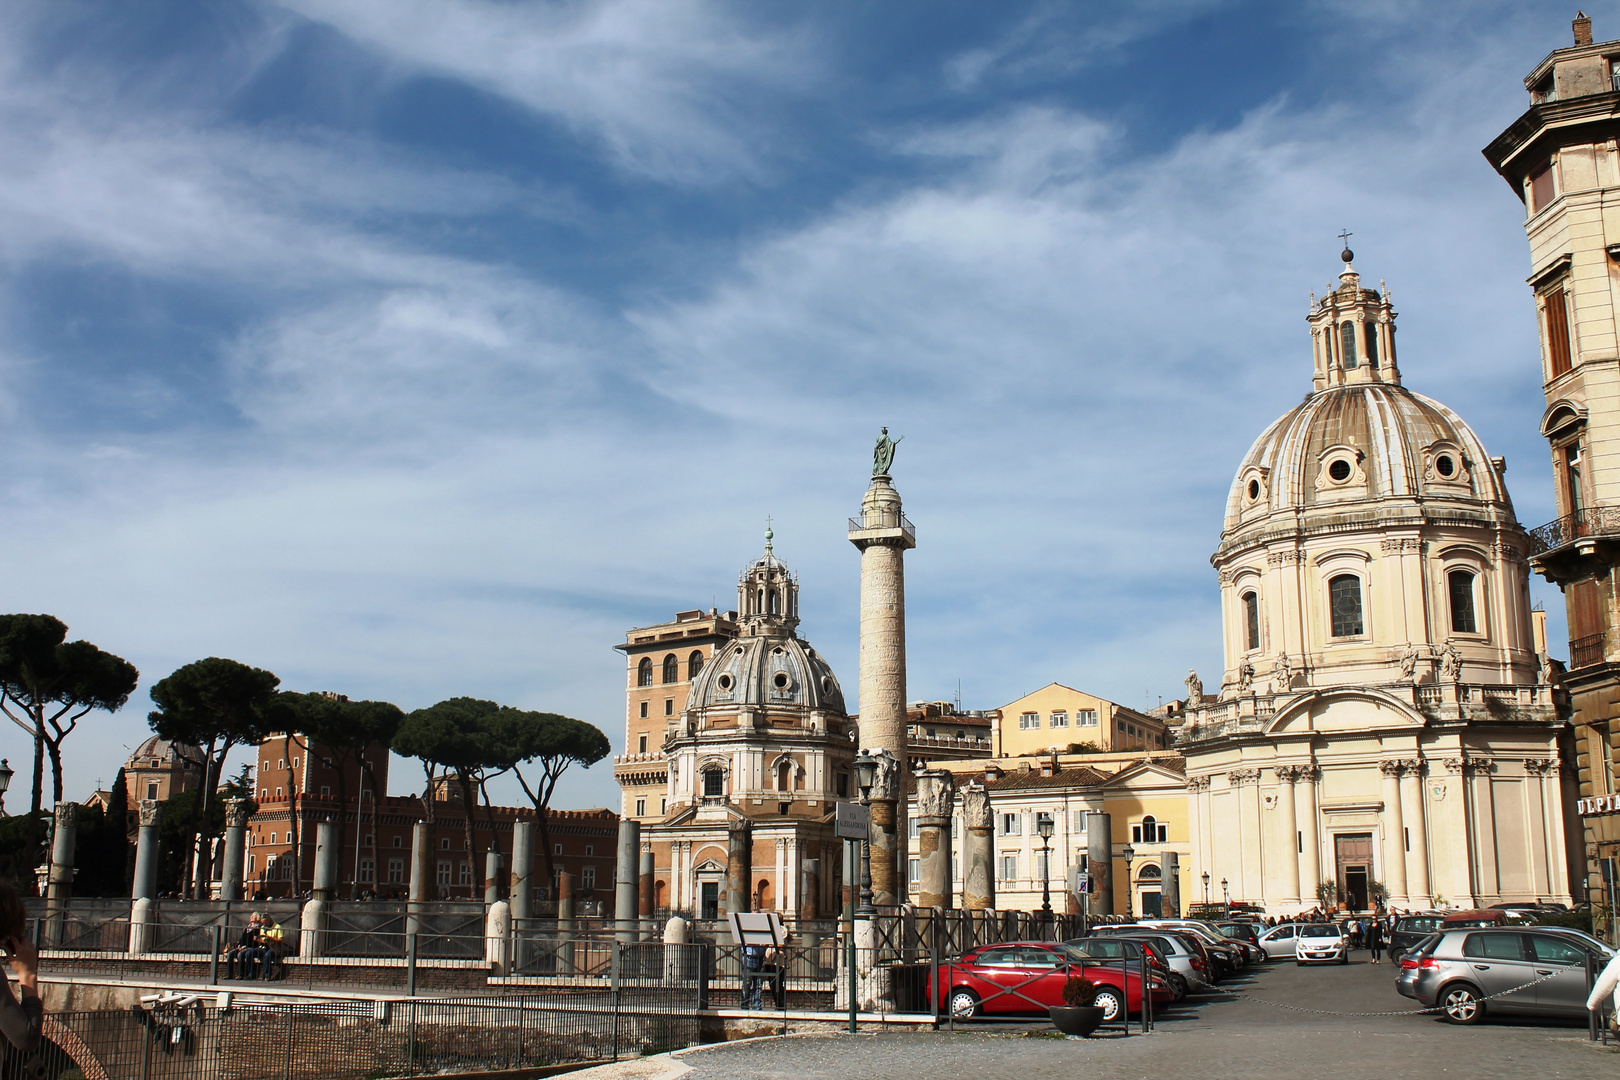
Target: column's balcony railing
[(883, 519), (1593, 521), (1586, 651)]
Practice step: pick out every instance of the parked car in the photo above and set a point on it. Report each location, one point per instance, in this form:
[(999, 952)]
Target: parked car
[(1028, 977), (1222, 954), (1186, 952), (1321, 943), (1131, 949), (1245, 932), (1278, 942), (1242, 954), (1468, 920), (1470, 972), (1411, 929)]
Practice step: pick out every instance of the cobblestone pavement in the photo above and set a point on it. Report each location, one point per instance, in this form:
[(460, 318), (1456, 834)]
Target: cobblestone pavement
[(1209, 1036)]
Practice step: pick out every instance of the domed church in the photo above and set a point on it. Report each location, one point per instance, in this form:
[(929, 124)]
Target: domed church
[(1384, 726), (755, 761)]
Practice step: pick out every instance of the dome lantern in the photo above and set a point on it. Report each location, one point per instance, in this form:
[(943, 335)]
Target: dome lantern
[(1353, 333)]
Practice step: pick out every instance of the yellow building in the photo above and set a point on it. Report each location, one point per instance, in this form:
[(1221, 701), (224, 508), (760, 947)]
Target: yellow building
[(1143, 792), (1061, 718)]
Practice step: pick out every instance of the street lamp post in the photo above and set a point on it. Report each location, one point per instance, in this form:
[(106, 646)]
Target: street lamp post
[(866, 768), (1206, 888), (1128, 853), (1043, 826), (1226, 894), (6, 773)]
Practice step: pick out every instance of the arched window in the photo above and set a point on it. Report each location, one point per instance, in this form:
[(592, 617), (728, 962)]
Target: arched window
[(1347, 344), (1344, 600), (1460, 583), (1251, 620), (644, 672), (714, 783), (1372, 344), (1150, 872), (694, 664), (773, 602), (672, 669)]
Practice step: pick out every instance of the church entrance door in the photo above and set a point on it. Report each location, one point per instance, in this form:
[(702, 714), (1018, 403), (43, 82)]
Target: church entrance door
[(709, 905), (1354, 854)]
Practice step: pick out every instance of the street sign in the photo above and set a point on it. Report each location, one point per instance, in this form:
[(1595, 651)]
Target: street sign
[(850, 822), (1084, 884)]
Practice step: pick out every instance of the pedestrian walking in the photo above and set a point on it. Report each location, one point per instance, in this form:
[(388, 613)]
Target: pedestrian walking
[(22, 1014), (1374, 936)]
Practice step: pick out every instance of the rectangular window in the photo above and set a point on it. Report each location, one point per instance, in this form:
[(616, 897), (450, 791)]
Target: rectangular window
[(396, 871), (1011, 825), (444, 872), (641, 807), (1136, 834), (1574, 493), (641, 745), (1060, 719), (1164, 834), (644, 710), (398, 842), (714, 783), (590, 849), (1460, 584), (1557, 315), (326, 791), (466, 873), (1344, 600), (1008, 868), (1079, 821), (1541, 188), (250, 864), (368, 870), (913, 828), (152, 791), (913, 870), (843, 785), (1085, 718), (1040, 817), (1041, 865), (1030, 721), (556, 849), (669, 706), (1251, 620), (587, 877), (663, 806), (273, 837)]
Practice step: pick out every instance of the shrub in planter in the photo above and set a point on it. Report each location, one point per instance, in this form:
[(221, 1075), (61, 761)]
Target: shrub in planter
[(1078, 1015), (1079, 993)]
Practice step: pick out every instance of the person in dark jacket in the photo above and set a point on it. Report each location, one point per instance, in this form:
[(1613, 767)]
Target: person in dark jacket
[(22, 1013), (1373, 937)]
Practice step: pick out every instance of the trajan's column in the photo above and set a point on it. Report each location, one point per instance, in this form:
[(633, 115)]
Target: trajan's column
[(883, 534)]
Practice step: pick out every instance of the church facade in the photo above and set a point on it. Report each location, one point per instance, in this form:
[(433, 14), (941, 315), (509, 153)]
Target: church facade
[(750, 765), (1385, 727)]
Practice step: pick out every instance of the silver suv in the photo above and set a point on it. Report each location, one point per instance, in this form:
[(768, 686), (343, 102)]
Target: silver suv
[(1469, 972)]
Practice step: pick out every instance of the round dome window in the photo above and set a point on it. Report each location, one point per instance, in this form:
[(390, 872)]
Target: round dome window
[(826, 686), (1254, 489), (1339, 471), (724, 681), (1445, 466), (781, 680)]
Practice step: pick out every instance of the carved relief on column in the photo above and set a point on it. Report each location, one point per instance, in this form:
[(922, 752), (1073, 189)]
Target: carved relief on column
[(150, 812), (237, 813), (1195, 784), (1239, 777), (1289, 774)]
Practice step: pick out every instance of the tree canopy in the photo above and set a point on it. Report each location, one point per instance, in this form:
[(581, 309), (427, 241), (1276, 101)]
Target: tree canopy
[(453, 739), (215, 704), (47, 684), (553, 742)]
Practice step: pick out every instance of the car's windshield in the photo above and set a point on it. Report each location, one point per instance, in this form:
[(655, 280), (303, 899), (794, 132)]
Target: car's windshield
[(1319, 930)]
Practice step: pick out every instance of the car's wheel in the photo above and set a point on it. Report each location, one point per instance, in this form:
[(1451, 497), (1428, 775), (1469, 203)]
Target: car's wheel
[(964, 1003), (1462, 1004), (1111, 1003), (1178, 986)]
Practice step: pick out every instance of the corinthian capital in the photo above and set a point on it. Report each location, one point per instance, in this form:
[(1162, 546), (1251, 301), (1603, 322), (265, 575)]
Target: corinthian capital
[(975, 806), (150, 811), (936, 794), (237, 812)]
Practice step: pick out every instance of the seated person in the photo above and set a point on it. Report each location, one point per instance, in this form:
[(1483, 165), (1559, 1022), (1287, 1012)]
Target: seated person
[(273, 946), (242, 959)]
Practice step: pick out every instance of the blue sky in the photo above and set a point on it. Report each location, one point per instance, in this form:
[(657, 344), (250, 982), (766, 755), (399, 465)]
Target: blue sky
[(412, 349)]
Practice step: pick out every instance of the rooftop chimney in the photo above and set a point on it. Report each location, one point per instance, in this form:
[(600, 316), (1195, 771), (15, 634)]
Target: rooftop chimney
[(1583, 28)]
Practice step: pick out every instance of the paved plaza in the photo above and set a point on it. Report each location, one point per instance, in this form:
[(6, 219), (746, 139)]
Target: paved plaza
[(1211, 1036)]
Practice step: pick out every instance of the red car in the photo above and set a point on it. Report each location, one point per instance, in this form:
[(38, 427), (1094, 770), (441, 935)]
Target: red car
[(1028, 977)]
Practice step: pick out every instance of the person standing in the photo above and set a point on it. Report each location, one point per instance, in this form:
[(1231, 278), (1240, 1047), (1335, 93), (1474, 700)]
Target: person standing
[(22, 1013), (1373, 934)]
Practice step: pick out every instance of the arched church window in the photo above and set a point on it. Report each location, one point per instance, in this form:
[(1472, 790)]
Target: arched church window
[(1460, 583), (1347, 344), (644, 672), (773, 601), (1251, 620), (672, 669), (1372, 343), (694, 664), (1344, 601), (714, 783)]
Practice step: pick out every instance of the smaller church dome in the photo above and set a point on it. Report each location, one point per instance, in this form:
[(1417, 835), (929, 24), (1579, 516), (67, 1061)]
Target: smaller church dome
[(160, 749), (768, 671)]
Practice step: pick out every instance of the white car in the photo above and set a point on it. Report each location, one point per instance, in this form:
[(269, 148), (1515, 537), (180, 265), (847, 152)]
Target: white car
[(1278, 942), (1321, 943)]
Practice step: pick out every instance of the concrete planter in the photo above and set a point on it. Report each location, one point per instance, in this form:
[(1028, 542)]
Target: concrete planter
[(1076, 1019)]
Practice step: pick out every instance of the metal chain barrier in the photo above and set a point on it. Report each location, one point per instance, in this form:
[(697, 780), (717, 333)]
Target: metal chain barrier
[(1395, 1012)]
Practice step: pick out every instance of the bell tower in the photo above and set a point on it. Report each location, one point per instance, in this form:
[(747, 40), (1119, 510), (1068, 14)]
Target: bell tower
[(768, 595)]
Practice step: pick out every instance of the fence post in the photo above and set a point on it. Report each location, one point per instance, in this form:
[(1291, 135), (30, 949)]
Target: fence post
[(1593, 1016), (289, 1070), (213, 959), (618, 947), (410, 972)]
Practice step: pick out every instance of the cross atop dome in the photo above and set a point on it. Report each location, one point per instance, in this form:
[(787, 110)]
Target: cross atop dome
[(1352, 331)]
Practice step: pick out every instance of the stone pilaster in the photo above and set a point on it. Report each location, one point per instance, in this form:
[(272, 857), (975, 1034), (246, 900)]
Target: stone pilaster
[(1394, 833)]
